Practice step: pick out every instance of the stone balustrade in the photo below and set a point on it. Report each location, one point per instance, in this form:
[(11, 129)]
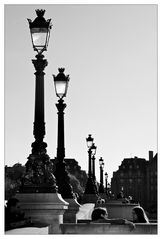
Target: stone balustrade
[(117, 209), (88, 228), (106, 228)]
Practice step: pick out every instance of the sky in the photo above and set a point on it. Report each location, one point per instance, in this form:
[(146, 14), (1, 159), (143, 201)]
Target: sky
[(110, 53)]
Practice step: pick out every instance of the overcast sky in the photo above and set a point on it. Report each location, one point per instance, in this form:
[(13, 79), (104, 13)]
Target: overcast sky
[(110, 53)]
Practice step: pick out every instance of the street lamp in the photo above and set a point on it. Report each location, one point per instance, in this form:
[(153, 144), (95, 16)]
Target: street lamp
[(90, 186), (63, 181), (39, 177), (93, 148), (101, 186), (61, 83), (89, 141), (40, 31), (106, 179)]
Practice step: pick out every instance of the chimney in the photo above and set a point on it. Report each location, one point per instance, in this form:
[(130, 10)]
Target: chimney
[(150, 155)]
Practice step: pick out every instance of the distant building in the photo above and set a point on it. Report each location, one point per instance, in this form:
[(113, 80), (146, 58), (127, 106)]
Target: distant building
[(73, 168), (137, 177), (152, 182)]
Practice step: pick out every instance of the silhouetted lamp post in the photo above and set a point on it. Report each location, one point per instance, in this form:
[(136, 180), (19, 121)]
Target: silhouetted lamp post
[(106, 179), (63, 181), (39, 177), (93, 148), (101, 186), (90, 186), (89, 141)]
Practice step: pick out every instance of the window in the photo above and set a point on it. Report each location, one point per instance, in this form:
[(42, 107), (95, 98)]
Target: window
[(130, 173), (139, 173), (130, 180)]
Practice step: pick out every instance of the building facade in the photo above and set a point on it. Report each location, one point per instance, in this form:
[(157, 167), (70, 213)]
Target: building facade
[(73, 168), (137, 177), (152, 183)]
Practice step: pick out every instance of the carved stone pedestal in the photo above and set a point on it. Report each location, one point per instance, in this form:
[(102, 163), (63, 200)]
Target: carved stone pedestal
[(70, 214), (46, 208)]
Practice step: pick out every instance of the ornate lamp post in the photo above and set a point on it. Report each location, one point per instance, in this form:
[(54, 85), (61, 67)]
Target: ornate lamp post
[(106, 180), (89, 141), (109, 190), (93, 148), (90, 186), (39, 177), (101, 186), (63, 181)]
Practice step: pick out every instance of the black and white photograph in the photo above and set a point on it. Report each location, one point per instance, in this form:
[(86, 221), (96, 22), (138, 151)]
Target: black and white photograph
[(80, 119)]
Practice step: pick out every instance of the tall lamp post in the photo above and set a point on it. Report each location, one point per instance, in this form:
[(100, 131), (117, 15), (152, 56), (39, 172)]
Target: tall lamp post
[(106, 181), (101, 186), (90, 186), (39, 177), (93, 148), (63, 181)]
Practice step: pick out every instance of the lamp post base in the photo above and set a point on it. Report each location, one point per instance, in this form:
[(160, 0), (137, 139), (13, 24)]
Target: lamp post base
[(101, 189), (44, 208), (89, 198), (38, 177), (91, 187), (70, 213), (63, 181)]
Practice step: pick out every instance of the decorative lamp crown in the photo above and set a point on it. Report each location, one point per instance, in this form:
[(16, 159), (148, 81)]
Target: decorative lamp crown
[(40, 13)]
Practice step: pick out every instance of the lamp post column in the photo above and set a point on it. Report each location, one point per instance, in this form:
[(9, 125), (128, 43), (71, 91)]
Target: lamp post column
[(39, 176), (101, 186), (89, 163), (93, 168), (90, 186), (106, 179), (39, 125), (62, 178), (60, 139)]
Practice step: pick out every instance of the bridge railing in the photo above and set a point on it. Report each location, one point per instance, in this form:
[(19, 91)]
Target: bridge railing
[(106, 228)]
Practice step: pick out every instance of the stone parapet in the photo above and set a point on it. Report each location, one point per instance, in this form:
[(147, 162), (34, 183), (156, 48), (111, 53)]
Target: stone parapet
[(117, 209), (106, 228), (89, 228), (70, 213), (44, 208)]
